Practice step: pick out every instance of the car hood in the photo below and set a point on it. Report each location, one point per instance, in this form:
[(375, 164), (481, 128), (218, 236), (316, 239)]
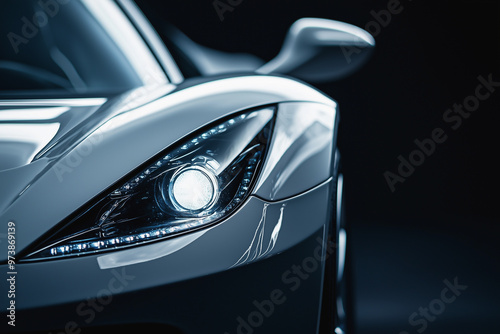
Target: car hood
[(28, 130), (31, 131), (34, 133)]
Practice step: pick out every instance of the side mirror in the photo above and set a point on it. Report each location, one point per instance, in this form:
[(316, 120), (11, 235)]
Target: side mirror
[(321, 50)]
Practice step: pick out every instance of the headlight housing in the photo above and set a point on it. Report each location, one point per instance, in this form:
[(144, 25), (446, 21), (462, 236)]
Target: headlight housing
[(197, 183)]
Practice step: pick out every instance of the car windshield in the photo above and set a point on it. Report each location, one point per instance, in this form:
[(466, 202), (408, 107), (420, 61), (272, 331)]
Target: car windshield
[(71, 48)]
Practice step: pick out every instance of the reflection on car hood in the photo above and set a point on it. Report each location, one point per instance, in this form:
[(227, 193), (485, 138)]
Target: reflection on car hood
[(29, 129), (34, 133)]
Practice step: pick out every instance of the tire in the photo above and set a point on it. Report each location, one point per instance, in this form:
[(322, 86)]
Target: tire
[(337, 313)]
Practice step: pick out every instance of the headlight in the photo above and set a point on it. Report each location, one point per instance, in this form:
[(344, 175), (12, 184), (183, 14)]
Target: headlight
[(202, 180)]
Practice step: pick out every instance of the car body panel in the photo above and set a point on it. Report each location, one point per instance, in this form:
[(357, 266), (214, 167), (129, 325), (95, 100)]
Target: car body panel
[(274, 250), (125, 141), (301, 151), (250, 244), (33, 123)]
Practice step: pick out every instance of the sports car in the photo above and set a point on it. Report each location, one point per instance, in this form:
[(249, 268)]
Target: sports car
[(150, 183)]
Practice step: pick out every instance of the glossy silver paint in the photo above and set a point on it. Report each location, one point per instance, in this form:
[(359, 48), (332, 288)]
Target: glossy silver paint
[(125, 141), (63, 183), (213, 275), (189, 261), (303, 144), (38, 124), (319, 50)]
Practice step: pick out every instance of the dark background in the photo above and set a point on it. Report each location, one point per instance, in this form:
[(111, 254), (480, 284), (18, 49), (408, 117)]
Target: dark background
[(442, 222)]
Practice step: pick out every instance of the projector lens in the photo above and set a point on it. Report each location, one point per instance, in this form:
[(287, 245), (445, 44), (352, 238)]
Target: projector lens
[(193, 189)]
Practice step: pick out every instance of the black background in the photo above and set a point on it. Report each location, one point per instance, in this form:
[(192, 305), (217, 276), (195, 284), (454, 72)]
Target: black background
[(442, 222)]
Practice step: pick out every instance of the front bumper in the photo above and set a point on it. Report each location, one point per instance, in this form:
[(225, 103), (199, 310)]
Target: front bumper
[(261, 268)]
